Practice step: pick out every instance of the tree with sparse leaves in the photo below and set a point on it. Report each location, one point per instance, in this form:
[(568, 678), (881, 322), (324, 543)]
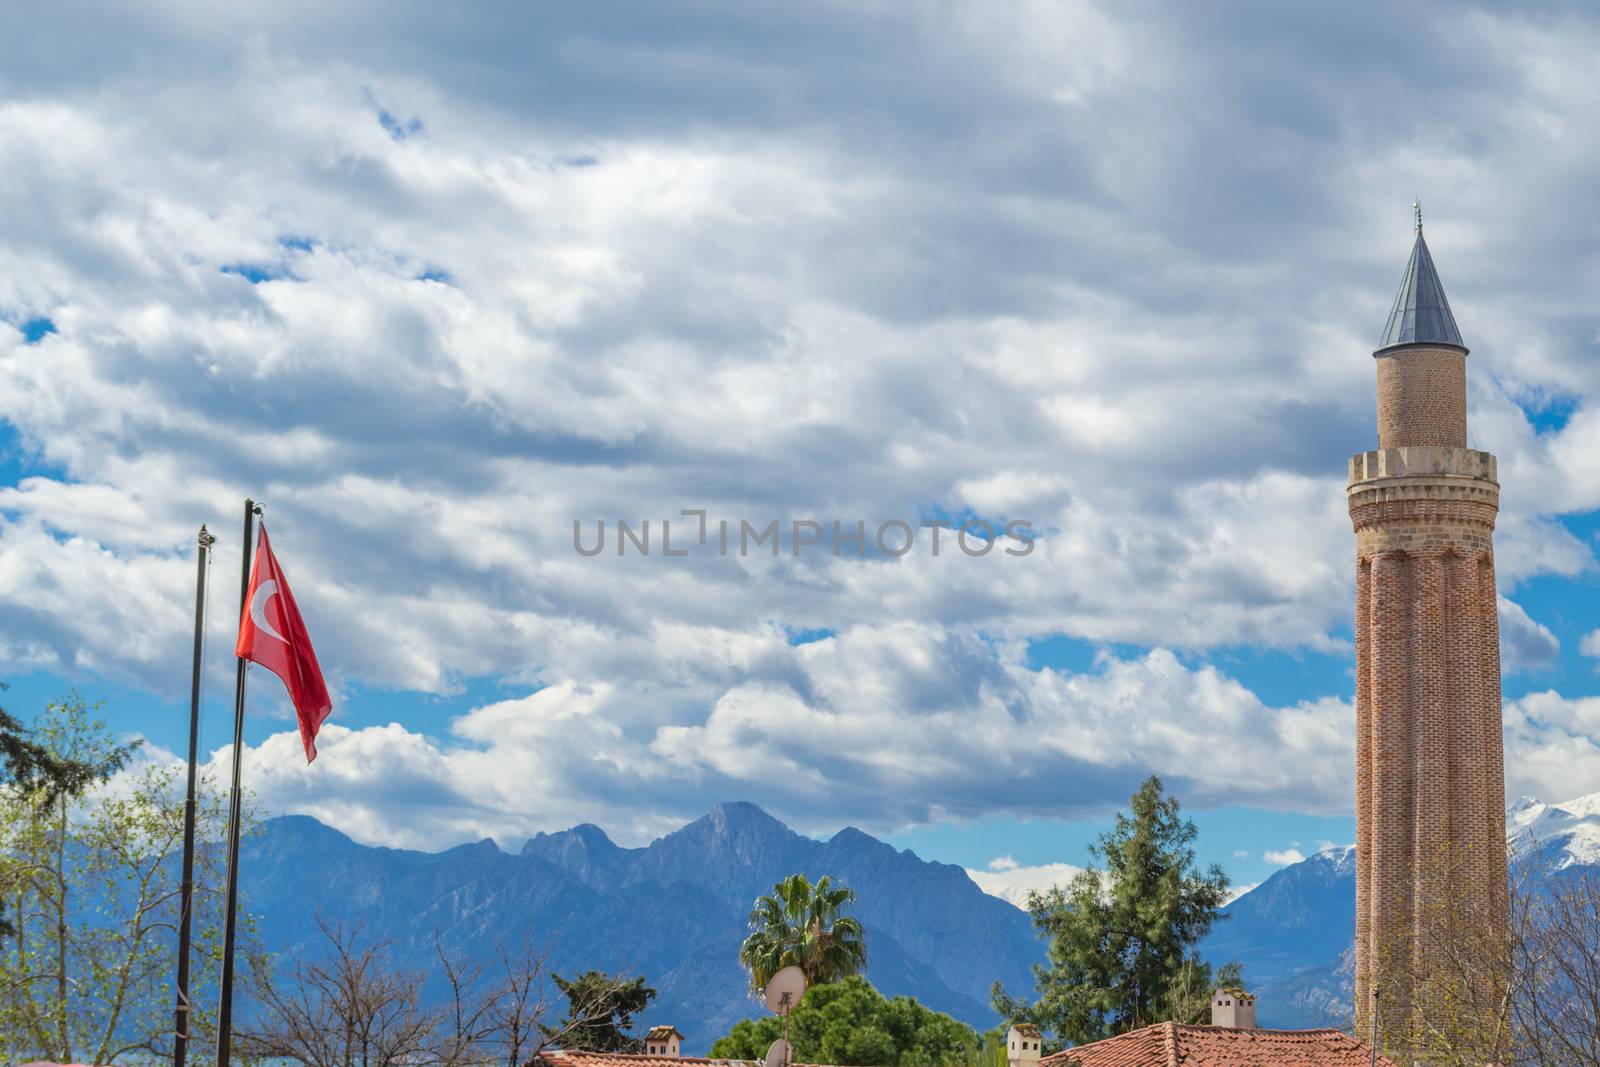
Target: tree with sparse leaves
[(1553, 946), (92, 887), (349, 1003), (1123, 936), (28, 767)]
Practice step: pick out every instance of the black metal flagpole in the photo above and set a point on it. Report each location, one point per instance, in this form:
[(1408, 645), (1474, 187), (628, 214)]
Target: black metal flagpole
[(182, 1033), (225, 1007)]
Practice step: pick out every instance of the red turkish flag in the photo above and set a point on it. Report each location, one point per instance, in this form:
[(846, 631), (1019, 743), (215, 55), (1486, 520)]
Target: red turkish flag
[(272, 634)]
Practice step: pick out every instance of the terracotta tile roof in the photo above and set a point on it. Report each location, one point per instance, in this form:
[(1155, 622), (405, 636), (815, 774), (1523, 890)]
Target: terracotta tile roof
[(576, 1058), (661, 1033), (1172, 1045)]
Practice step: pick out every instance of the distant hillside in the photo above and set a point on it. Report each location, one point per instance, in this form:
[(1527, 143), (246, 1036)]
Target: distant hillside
[(1292, 934), (1295, 932), (674, 911)]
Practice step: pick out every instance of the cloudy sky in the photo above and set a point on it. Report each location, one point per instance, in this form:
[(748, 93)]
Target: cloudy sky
[(437, 283)]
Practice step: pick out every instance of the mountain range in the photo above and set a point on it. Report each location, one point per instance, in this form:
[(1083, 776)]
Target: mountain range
[(1295, 932), (676, 910)]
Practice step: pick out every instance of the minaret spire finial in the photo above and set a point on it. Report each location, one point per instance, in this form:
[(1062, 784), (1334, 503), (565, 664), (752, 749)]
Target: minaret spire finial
[(1421, 314)]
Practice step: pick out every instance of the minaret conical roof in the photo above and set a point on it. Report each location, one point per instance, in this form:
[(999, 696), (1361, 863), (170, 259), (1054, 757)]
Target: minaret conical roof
[(1421, 312)]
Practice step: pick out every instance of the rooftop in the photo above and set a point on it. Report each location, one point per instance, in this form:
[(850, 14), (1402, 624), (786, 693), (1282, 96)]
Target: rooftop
[(577, 1058), (1174, 1045)]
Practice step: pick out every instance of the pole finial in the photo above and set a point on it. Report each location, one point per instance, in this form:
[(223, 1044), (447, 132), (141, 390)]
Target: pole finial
[(206, 537), (1416, 205)]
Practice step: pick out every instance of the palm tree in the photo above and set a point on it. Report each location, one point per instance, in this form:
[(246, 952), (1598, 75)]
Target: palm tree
[(800, 924)]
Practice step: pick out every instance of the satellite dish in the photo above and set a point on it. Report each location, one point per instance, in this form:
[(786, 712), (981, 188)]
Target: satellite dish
[(780, 1053), (785, 989)]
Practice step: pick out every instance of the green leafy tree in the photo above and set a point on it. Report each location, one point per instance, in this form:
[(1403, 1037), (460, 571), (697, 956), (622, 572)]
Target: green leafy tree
[(989, 1052), (804, 925), (29, 767), (1123, 937), (848, 1022), (92, 883), (600, 1011)]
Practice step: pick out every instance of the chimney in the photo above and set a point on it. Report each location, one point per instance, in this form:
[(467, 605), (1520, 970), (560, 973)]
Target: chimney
[(1233, 1007), (663, 1041), (1022, 1045)]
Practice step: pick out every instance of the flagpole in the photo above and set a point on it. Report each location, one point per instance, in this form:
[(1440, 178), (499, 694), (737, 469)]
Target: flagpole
[(182, 1033), (225, 1007)]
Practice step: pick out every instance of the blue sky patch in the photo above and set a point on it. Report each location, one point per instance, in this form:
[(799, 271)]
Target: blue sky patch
[(35, 330), (1285, 678), (18, 462), (1552, 414), (399, 129), (1223, 833), (1062, 653), (800, 636), (255, 273)]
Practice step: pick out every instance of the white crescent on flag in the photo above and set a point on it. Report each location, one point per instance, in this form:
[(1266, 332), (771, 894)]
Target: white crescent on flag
[(258, 608), (288, 654)]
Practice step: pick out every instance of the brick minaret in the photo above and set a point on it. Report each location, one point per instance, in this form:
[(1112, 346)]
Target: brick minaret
[(1430, 787)]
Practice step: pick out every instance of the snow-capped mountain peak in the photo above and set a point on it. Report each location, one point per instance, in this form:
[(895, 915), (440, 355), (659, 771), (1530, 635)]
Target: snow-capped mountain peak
[(1565, 834)]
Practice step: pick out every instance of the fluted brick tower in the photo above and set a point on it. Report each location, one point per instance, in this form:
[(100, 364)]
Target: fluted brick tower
[(1430, 785)]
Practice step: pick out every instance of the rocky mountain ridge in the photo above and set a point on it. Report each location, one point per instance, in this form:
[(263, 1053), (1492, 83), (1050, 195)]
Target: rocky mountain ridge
[(673, 911), (676, 909)]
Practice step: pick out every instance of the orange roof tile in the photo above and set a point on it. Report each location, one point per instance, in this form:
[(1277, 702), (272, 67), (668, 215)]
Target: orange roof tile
[(1172, 1045), (578, 1058)]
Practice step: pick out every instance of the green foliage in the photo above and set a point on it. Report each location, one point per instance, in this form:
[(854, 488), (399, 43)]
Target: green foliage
[(28, 766), (1123, 938), (989, 1052), (803, 925), (600, 1011), (848, 1022), (92, 885)]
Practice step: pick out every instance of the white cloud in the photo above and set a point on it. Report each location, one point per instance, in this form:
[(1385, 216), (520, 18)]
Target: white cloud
[(1014, 883), (1552, 745), (1525, 644), (1590, 645), (951, 732), (1235, 892), (1283, 857), (702, 279), (901, 727)]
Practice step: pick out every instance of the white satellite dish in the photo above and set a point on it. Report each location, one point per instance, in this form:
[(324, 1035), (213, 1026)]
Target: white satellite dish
[(780, 1053), (784, 990)]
